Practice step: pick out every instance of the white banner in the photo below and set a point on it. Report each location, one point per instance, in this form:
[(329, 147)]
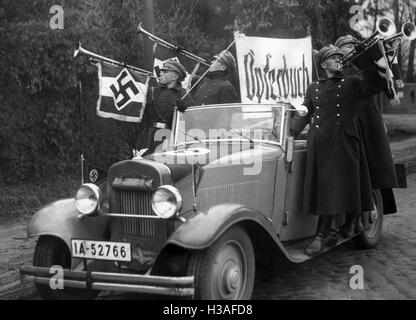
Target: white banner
[(273, 69)]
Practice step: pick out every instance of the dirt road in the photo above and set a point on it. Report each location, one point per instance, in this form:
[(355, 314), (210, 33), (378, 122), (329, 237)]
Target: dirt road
[(389, 269), (15, 251)]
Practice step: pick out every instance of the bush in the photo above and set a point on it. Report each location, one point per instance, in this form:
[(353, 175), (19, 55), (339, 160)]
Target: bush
[(41, 121), (40, 130)]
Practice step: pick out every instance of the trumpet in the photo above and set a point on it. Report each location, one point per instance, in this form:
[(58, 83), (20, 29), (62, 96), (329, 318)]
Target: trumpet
[(95, 56), (173, 47), (408, 32), (384, 28)]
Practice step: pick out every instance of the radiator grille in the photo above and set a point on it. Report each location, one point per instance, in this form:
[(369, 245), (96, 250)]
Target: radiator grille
[(138, 203)]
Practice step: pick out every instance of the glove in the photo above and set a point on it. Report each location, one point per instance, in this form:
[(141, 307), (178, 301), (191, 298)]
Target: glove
[(182, 105)]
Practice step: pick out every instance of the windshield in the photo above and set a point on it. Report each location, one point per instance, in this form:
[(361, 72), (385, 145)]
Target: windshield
[(253, 123)]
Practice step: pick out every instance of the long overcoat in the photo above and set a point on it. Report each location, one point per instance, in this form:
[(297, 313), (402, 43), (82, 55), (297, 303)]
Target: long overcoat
[(215, 88), (337, 179), (376, 144)]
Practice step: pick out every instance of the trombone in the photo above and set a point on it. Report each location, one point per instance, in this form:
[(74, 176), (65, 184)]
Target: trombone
[(95, 56), (173, 47), (384, 28)]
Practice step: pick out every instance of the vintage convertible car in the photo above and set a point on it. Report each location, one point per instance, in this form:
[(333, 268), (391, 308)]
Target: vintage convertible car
[(222, 192)]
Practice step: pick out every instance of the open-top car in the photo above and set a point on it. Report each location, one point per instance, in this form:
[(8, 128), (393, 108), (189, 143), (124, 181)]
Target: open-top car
[(223, 190)]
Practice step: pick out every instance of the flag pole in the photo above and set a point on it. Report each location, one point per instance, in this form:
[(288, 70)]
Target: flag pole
[(81, 129)]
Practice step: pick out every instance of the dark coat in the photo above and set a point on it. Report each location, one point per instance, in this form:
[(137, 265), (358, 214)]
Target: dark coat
[(159, 108), (337, 179), (376, 144), (215, 88)]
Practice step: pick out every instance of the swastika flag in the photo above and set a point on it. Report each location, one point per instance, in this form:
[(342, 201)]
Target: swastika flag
[(122, 93), (94, 174)]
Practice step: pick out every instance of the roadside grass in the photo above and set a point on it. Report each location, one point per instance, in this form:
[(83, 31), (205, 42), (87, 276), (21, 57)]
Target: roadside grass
[(400, 126), (25, 198)]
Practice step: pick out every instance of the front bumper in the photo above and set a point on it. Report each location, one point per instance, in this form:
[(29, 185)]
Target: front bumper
[(147, 284)]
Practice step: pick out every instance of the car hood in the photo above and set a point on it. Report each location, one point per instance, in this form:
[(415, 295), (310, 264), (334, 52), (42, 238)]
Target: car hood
[(180, 161)]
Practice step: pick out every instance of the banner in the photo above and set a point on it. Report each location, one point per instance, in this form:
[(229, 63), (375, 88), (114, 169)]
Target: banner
[(122, 93), (273, 70)]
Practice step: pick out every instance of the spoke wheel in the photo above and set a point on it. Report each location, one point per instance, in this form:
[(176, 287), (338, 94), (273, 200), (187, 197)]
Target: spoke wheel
[(225, 270), (369, 238)]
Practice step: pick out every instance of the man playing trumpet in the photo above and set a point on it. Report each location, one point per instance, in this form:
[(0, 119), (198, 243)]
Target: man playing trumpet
[(337, 180), (373, 136), (161, 101)]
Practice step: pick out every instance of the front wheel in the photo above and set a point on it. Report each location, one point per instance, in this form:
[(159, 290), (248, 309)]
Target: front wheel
[(225, 270), (369, 238), (50, 251)]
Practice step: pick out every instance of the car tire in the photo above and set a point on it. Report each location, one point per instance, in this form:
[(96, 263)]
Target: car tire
[(50, 251), (226, 269), (369, 238)]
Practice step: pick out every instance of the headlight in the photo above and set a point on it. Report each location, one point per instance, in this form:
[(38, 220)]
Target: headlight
[(88, 198), (166, 201)]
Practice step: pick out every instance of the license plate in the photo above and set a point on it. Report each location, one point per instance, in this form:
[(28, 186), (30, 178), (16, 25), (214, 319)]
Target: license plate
[(101, 250)]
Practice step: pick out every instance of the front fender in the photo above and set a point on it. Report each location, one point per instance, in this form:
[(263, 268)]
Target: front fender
[(203, 228), (60, 219)]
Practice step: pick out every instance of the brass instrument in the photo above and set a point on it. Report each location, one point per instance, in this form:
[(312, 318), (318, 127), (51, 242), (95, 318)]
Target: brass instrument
[(391, 47), (384, 28), (408, 32), (173, 47), (97, 57)]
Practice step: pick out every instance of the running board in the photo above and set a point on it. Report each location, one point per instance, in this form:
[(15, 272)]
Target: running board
[(297, 250)]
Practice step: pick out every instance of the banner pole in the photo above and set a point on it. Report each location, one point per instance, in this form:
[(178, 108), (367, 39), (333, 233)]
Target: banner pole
[(210, 67)]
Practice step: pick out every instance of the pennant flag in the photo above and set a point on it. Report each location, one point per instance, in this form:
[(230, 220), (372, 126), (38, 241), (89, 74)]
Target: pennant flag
[(378, 53), (162, 54), (122, 93), (394, 65), (94, 174)]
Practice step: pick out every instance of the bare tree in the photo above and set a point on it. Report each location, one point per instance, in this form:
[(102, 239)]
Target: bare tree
[(411, 58)]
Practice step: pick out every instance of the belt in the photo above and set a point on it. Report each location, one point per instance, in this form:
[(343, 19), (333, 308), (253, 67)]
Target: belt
[(159, 125)]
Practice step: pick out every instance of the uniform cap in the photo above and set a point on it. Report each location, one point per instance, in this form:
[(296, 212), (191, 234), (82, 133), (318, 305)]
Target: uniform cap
[(327, 52), (175, 66), (228, 59), (345, 40)]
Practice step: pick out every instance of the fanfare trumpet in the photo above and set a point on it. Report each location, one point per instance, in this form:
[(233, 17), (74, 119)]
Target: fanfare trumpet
[(173, 47), (408, 32), (95, 56), (391, 47), (384, 28)]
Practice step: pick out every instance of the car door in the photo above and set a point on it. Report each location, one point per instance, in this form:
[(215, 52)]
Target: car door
[(296, 224)]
